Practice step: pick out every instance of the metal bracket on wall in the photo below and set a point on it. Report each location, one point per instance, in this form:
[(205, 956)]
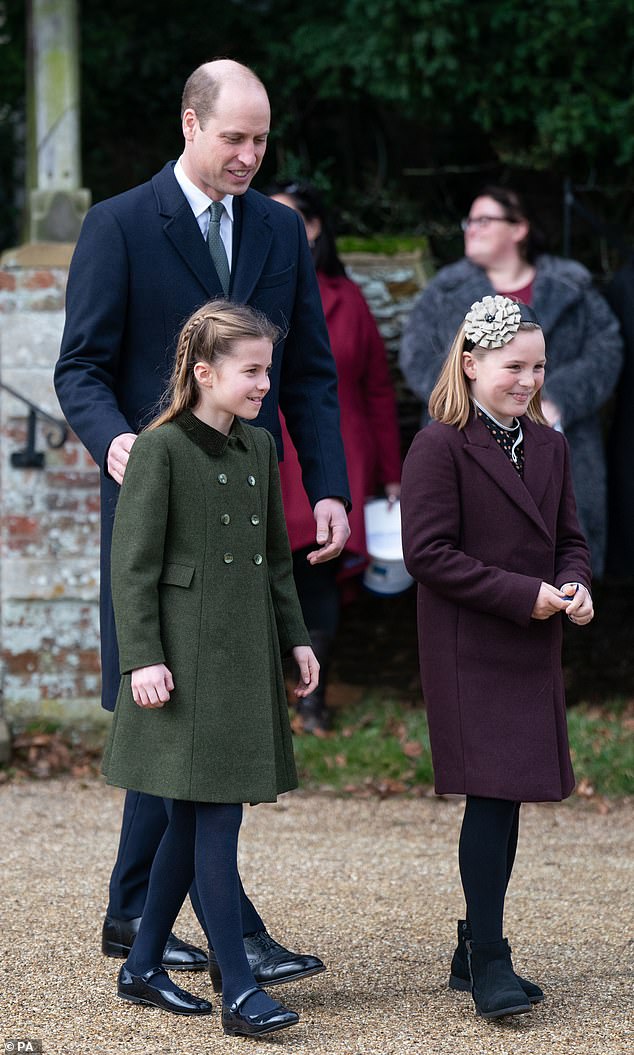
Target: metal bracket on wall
[(56, 434)]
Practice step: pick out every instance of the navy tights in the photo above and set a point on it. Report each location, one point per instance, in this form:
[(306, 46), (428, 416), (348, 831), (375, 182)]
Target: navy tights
[(201, 840), (488, 842)]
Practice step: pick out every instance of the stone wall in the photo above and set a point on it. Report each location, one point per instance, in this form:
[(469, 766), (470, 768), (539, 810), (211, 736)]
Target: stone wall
[(49, 518)]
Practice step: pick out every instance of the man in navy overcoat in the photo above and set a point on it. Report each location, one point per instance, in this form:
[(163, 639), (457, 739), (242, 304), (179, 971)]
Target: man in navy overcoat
[(142, 265)]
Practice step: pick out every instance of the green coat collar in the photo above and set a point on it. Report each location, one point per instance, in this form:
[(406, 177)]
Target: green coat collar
[(209, 439)]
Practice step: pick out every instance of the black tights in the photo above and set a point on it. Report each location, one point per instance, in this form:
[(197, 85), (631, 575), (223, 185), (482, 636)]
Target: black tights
[(201, 840), (488, 842)]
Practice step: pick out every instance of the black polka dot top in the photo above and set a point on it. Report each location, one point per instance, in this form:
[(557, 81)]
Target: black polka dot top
[(509, 437)]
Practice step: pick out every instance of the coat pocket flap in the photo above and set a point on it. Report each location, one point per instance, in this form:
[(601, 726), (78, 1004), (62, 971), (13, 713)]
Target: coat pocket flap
[(177, 574)]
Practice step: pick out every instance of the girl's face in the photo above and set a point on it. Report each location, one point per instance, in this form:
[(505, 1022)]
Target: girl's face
[(504, 380), (236, 385)]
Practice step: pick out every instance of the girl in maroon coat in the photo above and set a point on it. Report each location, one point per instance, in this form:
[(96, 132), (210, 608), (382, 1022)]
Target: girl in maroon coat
[(369, 429), (490, 533)]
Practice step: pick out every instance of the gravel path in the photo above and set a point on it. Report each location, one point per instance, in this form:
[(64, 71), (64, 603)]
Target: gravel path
[(371, 886)]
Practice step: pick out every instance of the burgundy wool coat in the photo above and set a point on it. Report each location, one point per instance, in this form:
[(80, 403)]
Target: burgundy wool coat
[(479, 540)]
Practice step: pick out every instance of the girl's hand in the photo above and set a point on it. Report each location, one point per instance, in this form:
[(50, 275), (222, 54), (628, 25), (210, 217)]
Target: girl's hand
[(549, 602), (580, 610), (308, 670), (151, 686)]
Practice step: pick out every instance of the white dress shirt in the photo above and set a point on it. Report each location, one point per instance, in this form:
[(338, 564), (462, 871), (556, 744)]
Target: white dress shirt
[(199, 204)]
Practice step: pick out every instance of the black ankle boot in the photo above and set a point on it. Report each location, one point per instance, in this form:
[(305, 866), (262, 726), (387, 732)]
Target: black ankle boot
[(495, 989), (460, 979)]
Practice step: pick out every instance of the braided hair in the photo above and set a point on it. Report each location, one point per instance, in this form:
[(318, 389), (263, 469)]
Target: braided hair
[(208, 336)]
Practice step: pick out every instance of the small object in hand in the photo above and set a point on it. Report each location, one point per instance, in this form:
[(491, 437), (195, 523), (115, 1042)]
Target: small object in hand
[(569, 596)]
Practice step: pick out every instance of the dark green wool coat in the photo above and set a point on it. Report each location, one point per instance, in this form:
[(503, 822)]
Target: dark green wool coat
[(202, 581)]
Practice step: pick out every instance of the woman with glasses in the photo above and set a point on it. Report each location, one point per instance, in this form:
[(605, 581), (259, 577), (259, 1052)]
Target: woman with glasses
[(504, 253)]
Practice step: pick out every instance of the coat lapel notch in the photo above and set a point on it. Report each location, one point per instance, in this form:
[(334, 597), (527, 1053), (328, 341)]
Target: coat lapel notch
[(481, 447), (183, 232)]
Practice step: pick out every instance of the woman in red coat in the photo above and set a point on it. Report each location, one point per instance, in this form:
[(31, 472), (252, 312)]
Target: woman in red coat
[(490, 533), (369, 428)]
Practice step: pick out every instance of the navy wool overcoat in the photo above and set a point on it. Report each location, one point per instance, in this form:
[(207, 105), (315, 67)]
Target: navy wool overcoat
[(140, 268)]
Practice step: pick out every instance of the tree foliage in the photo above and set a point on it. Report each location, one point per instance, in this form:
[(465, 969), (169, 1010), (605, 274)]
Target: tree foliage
[(363, 90)]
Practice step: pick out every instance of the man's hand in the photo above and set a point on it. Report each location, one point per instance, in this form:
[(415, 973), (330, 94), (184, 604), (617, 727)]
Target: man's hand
[(333, 530), (118, 454), (151, 686)]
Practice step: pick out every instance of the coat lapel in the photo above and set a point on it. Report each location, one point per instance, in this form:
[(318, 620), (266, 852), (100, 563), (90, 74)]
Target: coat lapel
[(526, 493), (253, 235), (182, 230)]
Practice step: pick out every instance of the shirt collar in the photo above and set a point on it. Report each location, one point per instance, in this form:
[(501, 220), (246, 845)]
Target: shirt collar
[(198, 200)]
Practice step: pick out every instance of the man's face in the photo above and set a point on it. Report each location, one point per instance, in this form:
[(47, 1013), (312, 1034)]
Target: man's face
[(224, 157)]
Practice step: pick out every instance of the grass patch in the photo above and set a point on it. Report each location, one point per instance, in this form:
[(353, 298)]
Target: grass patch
[(602, 748), (377, 745), (383, 244), (381, 746)]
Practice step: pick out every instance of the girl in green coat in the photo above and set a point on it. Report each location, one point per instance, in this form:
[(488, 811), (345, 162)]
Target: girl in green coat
[(205, 604)]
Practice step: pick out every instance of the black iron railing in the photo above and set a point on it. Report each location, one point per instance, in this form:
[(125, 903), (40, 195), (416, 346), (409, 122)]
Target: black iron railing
[(56, 434)]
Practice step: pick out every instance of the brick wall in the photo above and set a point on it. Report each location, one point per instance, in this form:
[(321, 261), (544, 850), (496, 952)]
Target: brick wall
[(49, 518)]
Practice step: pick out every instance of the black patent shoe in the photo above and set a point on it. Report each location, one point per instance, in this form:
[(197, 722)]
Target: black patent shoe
[(236, 1024), (117, 938), (270, 962), (137, 989)]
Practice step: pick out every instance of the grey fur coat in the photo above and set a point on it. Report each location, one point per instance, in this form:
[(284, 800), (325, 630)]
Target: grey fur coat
[(584, 356)]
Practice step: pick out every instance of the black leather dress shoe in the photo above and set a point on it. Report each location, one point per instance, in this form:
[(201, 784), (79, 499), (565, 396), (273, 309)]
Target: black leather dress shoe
[(117, 938), (270, 962), (137, 988), (236, 1024)]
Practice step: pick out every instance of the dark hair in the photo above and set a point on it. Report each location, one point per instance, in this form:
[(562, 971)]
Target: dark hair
[(516, 208), (308, 201)]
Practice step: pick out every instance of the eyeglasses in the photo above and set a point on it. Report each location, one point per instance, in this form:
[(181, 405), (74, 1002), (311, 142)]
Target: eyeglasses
[(483, 221)]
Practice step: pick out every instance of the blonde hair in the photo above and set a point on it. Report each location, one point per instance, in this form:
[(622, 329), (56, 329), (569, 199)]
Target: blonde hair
[(208, 336), (450, 400)]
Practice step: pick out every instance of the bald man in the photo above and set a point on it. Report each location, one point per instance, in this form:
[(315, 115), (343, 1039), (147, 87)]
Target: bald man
[(141, 266)]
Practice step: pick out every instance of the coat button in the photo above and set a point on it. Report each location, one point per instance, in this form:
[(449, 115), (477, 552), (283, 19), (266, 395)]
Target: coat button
[(222, 478), (255, 520), (228, 558), (251, 481), (258, 558), (225, 519)]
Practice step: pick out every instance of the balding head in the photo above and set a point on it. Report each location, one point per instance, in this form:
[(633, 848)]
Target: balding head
[(202, 89)]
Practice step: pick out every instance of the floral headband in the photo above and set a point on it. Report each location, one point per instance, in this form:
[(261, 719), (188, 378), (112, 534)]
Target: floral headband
[(493, 321)]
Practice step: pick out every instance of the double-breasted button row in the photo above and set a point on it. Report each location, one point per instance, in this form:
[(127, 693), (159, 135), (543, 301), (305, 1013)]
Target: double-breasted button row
[(226, 519), (224, 479), (257, 558)]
